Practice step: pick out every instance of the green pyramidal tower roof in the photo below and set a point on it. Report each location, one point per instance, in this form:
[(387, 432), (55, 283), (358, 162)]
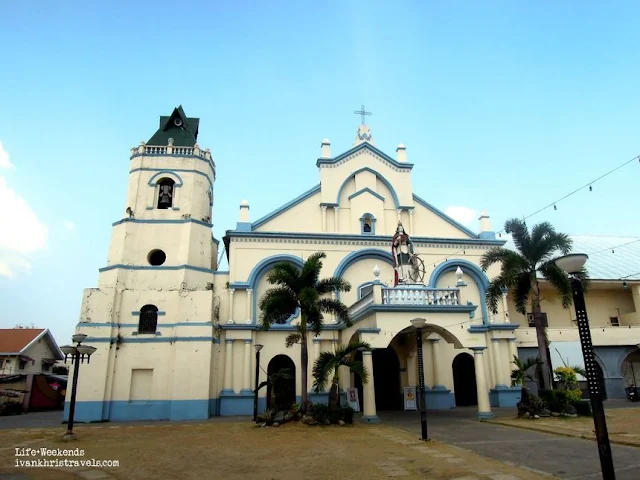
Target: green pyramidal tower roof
[(178, 126)]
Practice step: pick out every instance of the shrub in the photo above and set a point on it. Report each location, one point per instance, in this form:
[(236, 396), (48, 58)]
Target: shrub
[(347, 414), (573, 396), (321, 412), (583, 407), (536, 405), (566, 375)]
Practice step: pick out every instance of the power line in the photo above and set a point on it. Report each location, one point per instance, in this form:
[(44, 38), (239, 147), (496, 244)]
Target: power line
[(588, 185), (632, 275), (613, 248)]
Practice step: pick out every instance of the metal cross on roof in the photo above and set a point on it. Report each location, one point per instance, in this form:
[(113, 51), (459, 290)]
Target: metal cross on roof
[(362, 112)]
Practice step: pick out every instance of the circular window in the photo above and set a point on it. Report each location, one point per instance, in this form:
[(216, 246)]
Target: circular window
[(156, 257)]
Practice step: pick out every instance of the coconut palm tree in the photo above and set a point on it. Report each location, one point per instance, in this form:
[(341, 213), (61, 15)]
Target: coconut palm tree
[(519, 375), (301, 288), (521, 270), (329, 363)]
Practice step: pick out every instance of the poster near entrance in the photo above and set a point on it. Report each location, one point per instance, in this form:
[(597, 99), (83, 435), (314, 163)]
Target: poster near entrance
[(352, 399), (410, 398)]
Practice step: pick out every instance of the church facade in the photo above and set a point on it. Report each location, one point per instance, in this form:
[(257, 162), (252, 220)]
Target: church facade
[(176, 336)]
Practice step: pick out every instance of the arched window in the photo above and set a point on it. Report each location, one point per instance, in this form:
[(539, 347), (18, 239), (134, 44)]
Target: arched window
[(165, 193), (368, 224), (148, 319)]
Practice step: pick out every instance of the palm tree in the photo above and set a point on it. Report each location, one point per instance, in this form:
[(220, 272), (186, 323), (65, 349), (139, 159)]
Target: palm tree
[(301, 288), (330, 362), (519, 375), (273, 380), (520, 272)]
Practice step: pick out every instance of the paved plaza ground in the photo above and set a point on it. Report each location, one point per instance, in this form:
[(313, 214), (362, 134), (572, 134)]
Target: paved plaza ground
[(232, 450), (463, 448), (559, 455)]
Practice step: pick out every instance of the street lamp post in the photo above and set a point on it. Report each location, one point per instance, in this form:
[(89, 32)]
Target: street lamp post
[(418, 323), (573, 264), (258, 347), (77, 353)]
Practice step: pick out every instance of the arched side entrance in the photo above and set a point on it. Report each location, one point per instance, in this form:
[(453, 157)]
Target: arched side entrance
[(387, 382), (282, 394), (464, 380), (631, 371)]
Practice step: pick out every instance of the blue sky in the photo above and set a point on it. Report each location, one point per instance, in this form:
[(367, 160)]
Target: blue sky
[(503, 106)]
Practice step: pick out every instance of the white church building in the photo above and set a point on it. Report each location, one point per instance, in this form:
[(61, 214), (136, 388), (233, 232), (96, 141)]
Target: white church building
[(176, 336)]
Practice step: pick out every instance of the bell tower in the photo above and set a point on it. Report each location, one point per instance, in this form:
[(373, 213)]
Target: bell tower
[(152, 315)]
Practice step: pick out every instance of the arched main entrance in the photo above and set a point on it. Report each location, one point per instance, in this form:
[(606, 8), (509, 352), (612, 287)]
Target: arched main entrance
[(282, 394), (464, 380), (386, 374)]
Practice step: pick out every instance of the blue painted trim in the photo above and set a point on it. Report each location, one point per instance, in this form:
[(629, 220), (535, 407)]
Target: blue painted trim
[(365, 253), (220, 272), (150, 339), (386, 183), (440, 399), (149, 220), (406, 207), (124, 411), (300, 198), (163, 173), (243, 226), (490, 328), (234, 404), (366, 190), (152, 267), (182, 170), (373, 308), (259, 270), (369, 330), (370, 419), (366, 284), (137, 313), (484, 416), (325, 204), (135, 325), (503, 396), (384, 240), (474, 271), (372, 221), (487, 235), (477, 349), (445, 217), (280, 328), (367, 146), (239, 286), (197, 157)]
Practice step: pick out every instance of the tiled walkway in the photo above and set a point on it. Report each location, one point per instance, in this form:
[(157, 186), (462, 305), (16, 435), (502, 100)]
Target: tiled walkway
[(568, 458)]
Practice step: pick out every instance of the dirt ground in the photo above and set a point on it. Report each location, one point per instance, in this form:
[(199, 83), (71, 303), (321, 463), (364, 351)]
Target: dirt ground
[(623, 425), (243, 451)]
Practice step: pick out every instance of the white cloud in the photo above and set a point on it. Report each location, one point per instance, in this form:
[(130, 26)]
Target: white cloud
[(466, 216), (4, 159), (22, 232), (69, 225)]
